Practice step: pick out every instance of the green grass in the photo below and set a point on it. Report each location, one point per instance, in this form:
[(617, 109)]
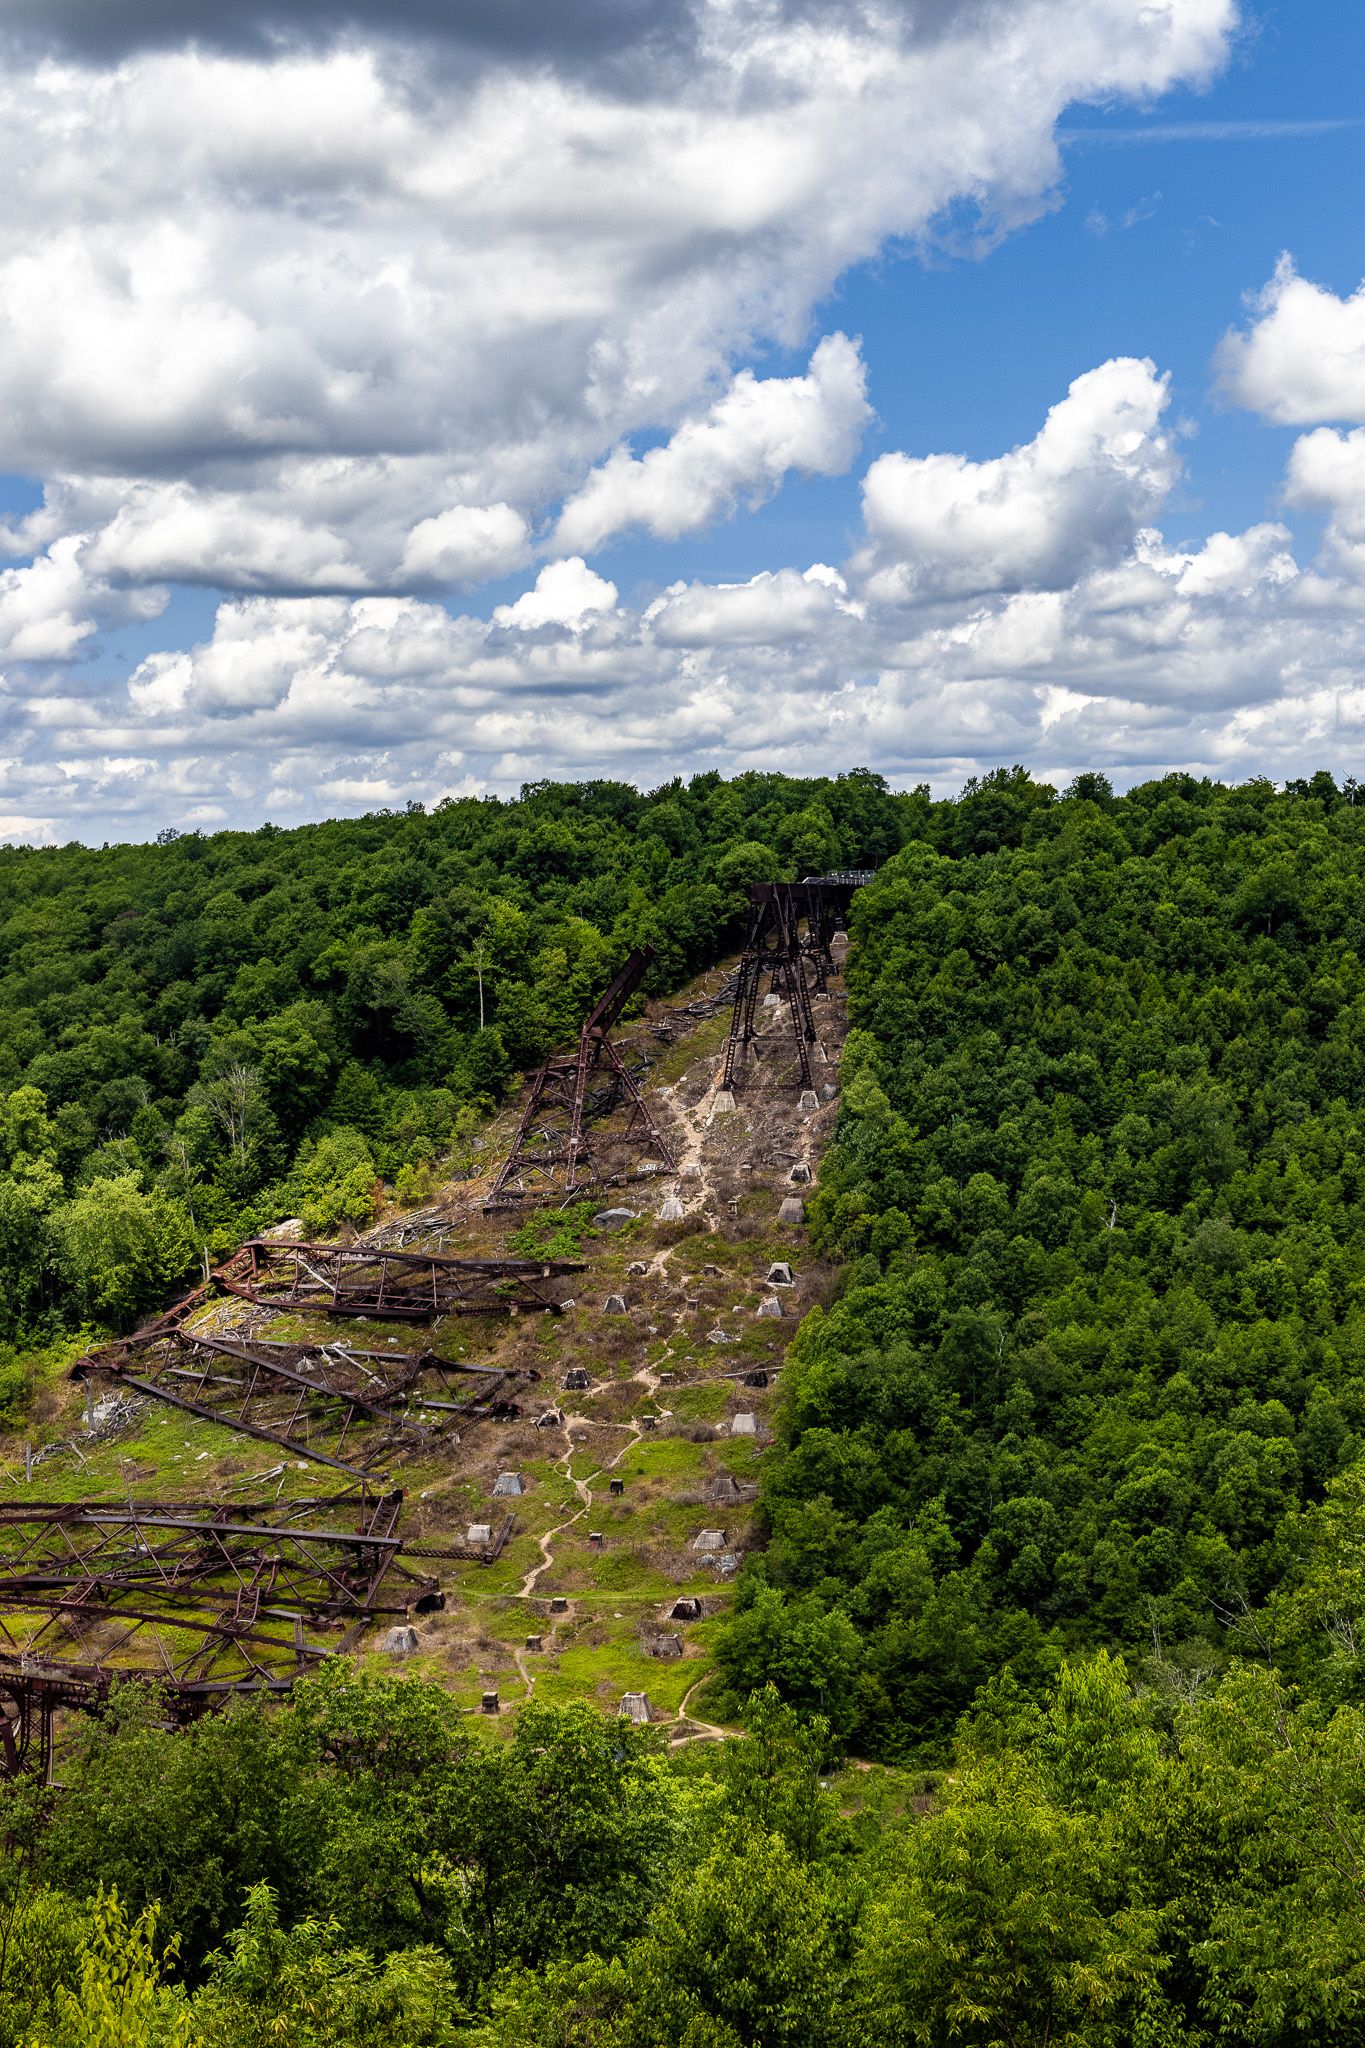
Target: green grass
[(703, 1402)]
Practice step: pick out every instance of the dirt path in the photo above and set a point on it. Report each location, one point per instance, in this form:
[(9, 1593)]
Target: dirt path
[(700, 1731), (527, 1677), (528, 1584)]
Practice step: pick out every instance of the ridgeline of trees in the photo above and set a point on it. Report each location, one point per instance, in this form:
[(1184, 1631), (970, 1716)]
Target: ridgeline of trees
[(1066, 1511)]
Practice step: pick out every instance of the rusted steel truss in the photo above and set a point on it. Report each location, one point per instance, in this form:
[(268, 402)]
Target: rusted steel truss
[(204, 1600), (362, 1280), (554, 1155), (331, 1403), (790, 928), (198, 1594)]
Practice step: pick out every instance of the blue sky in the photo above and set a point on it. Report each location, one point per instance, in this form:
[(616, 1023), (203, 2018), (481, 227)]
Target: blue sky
[(361, 444), (1159, 233)]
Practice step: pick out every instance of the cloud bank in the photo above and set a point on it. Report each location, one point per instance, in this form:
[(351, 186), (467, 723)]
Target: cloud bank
[(1026, 607), (344, 315)]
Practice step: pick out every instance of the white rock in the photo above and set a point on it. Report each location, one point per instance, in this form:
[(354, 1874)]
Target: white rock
[(770, 1306), (709, 1539), (793, 1210), (744, 1425), (612, 1219), (671, 1210), (508, 1485), (399, 1642)]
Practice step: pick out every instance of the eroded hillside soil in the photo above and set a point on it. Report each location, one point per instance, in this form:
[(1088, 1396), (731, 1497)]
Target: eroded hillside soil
[(642, 1406)]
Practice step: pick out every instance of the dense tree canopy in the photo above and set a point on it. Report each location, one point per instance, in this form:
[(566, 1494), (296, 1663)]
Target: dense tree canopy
[(1100, 1183)]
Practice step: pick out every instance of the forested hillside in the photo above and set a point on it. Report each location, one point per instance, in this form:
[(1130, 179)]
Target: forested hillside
[(1100, 1178), (201, 1036), (1051, 1666)]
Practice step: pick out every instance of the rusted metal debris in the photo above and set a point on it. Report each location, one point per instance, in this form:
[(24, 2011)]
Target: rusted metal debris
[(206, 1600), (331, 1403), (371, 1281), (788, 941), (553, 1156)]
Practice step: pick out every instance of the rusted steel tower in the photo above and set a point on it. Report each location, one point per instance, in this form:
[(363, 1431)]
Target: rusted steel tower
[(204, 1600), (775, 946), (791, 925), (381, 1285), (553, 1153)]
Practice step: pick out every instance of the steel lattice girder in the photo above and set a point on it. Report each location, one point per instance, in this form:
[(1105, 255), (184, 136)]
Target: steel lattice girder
[(202, 1600), (552, 1153), (790, 925), (198, 1594), (292, 1395), (357, 1280)]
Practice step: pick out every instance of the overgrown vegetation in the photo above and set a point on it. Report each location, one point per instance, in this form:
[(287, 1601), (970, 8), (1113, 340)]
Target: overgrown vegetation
[(358, 1868), (554, 1233), (1065, 1519), (1100, 1178)]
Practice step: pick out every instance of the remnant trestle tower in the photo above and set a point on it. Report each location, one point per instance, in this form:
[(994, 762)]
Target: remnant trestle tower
[(203, 1599), (363, 1280), (552, 1153), (331, 1403), (791, 926)]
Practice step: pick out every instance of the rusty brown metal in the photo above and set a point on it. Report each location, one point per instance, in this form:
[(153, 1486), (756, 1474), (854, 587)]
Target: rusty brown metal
[(333, 1404), (204, 1600), (553, 1155), (774, 947), (382, 1285), (788, 943)]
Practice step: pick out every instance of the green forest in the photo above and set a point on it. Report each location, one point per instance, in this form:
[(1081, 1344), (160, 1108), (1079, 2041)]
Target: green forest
[(1050, 1666)]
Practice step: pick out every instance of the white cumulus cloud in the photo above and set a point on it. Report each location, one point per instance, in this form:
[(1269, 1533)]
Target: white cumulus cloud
[(1075, 495), (1302, 359), (1327, 475), (774, 606), (565, 593), (739, 450)]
